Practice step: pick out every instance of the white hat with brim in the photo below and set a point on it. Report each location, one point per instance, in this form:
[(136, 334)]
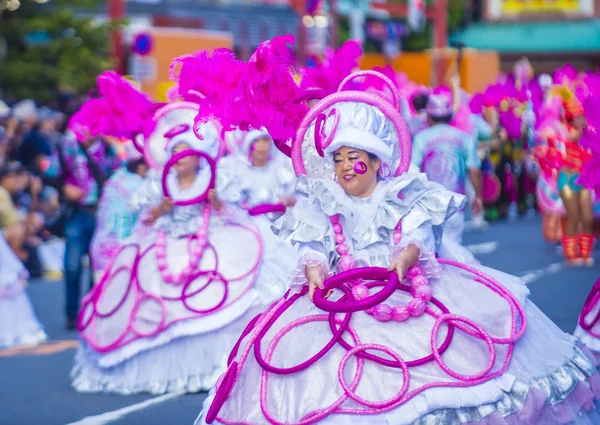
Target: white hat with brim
[(360, 139)]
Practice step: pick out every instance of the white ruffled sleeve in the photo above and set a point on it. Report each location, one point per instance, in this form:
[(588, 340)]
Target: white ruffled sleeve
[(307, 226), (228, 184), (423, 239), (311, 254), (149, 194)]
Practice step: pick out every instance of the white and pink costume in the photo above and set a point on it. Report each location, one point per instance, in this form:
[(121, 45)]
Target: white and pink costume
[(450, 344), (177, 294), (18, 324)]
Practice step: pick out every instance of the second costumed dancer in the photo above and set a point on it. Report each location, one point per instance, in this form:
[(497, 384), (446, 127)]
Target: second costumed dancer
[(178, 292)]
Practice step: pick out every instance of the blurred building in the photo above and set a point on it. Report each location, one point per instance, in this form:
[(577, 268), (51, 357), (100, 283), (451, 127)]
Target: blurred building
[(548, 32), (250, 22)]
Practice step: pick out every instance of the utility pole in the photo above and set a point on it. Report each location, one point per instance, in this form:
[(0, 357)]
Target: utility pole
[(440, 38), (116, 12)]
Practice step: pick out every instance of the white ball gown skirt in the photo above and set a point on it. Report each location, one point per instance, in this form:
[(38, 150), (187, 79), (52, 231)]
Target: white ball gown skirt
[(18, 323), (142, 334), (588, 325), (525, 371)]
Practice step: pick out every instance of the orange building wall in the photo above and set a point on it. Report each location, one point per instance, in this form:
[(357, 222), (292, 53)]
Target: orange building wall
[(170, 43), (478, 68)]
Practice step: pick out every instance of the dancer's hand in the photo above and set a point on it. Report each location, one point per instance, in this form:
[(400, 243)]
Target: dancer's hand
[(288, 202), (315, 276), (214, 200), (405, 259), (164, 208), (399, 266)]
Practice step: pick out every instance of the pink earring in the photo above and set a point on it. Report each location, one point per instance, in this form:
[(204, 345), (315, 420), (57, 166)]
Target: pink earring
[(385, 171)]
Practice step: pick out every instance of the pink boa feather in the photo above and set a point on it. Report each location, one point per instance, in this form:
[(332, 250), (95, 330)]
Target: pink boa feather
[(121, 111), (331, 71)]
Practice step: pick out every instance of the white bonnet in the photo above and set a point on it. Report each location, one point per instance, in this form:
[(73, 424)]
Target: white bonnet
[(184, 133), (363, 127)]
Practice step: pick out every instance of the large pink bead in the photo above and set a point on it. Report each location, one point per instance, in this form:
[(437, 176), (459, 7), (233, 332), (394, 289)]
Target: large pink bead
[(334, 219), (340, 238), (161, 262), (400, 313), (423, 292), (413, 272), (342, 249), (187, 271), (383, 312), (360, 292), (416, 307), (419, 281), (337, 228), (346, 263), (168, 278)]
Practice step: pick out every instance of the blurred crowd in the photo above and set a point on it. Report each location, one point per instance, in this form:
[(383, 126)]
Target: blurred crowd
[(49, 187)]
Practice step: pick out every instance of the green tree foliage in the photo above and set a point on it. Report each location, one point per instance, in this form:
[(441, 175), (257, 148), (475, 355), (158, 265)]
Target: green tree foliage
[(69, 50)]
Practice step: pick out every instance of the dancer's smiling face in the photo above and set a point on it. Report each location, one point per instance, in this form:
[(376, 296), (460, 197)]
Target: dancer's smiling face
[(353, 182), (186, 165)]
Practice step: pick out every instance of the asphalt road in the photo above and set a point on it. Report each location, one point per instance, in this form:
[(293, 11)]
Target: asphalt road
[(34, 383)]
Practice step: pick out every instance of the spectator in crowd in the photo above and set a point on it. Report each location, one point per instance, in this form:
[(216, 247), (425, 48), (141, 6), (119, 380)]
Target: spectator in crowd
[(19, 225), (87, 166)]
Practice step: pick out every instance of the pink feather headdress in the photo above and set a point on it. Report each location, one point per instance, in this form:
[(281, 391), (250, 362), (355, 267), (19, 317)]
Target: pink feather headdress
[(331, 71), (246, 95), (121, 111)]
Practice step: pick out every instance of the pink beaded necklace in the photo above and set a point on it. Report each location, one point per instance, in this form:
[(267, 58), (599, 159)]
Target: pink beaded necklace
[(195, 255), (420, 289)]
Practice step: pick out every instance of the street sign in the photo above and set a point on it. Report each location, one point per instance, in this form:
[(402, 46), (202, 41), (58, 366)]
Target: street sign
[(142, 68)]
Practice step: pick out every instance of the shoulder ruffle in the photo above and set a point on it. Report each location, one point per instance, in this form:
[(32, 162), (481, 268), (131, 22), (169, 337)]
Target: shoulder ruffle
[(410, 198)]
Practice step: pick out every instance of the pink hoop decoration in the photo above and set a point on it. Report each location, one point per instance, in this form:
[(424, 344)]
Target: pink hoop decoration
[(480, 332), (177, 130), (223, 390), (139, 146), (323, 141), (385, 171), (390, 85), (266, 209), (388, 110), (365, 273), (150, 130), (134, 311), (283, 147), (590, 302), (173, 160), (373, 404)]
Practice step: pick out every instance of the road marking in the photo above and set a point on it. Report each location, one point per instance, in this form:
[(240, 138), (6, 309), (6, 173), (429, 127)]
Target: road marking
[(115, 415), (44, 349), (483, 248), (534, 275)]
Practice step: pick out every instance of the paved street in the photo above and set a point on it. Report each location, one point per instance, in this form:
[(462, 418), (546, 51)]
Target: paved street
[(34, 383)]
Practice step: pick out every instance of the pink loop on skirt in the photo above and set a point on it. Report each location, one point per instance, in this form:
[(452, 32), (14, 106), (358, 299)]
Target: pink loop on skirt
[(590, 302), (482, 333), (222, 393), (354, 396)]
